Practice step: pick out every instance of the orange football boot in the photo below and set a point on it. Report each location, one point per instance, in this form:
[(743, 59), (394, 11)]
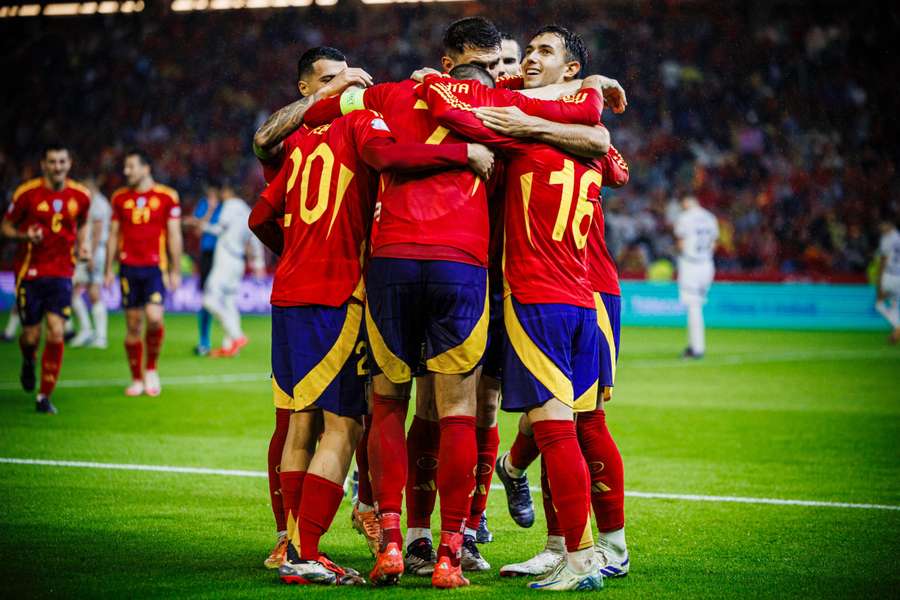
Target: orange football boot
[(278, 553), (445, 575)]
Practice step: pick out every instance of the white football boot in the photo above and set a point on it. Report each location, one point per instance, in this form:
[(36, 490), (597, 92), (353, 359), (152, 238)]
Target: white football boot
[(151, 383), (564, 579), (612, 559), (135, 389), (541, 564), (470, 558)]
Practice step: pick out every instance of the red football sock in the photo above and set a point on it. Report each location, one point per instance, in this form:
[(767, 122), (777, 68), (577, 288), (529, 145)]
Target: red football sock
[(291, 494), (276, 446), (135, 350), (605, 467), (553, 527), (364, 493), (488, 441), (154, 339), (390, 529), (51, 362), (422, 443), (458, 457), (569, 480), (29, 352), (387, 452), (523, 452), (320, 502)]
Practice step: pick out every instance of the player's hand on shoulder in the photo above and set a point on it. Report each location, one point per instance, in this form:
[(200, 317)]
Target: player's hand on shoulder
[(613, 93), (35, 234), (349, 77), (507, 120), (481, 160), (420, 74)]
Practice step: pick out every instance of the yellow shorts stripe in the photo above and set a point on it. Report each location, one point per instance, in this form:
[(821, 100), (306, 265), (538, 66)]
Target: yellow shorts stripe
[(313, 384), (588, 400), (390, 364), (464, 357), (280, 398), (606, 329), (534, 359)]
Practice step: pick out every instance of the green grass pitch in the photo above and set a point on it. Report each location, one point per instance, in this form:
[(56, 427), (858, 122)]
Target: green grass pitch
[(788, 415)]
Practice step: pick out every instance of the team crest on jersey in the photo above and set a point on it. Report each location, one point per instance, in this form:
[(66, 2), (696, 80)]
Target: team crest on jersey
[(141, 202), (129, 204), (72, 206), (57, 205), (43, 206), (154, 202)]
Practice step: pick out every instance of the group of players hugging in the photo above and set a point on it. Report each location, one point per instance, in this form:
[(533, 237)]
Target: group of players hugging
[(445, 229), (448, 229)]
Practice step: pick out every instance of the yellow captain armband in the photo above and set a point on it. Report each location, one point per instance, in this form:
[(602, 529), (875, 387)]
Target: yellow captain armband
[(352, 99)]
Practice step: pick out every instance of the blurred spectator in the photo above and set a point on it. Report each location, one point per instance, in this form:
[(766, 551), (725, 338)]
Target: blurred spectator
[(778, 117)]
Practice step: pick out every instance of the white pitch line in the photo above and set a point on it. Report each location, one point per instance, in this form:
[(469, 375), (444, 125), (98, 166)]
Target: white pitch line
[(261, 474)]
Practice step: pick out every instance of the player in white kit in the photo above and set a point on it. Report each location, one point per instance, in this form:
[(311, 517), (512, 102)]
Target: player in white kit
[(697, 231), (888, 303), (234, 246), (89, 275)]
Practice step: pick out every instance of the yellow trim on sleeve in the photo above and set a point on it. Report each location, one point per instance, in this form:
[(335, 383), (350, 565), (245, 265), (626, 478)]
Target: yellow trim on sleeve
[(534, 359), (390, 364), (313, 385), (464, 357), (28, 185)]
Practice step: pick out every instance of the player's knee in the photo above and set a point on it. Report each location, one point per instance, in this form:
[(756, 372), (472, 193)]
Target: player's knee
[(31, 335)]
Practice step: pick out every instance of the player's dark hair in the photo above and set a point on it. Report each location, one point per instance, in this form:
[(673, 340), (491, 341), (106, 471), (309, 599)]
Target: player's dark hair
[(142, 156), (470, 32), (505, 35), (53, 147), (470, 71), (311, 56), (576, 50)]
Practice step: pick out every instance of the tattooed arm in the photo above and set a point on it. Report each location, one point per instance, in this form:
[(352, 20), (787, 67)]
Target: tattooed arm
[(267, 139)]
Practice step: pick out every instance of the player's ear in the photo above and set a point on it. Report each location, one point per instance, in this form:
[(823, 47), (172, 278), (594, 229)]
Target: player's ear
[(303, 88), (447, 63), (573, 67)]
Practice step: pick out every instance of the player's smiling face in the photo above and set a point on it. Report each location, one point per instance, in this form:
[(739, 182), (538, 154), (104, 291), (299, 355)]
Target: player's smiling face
[(323, 71), (545, 63), (56, 165), (486, 58), (135, 170)]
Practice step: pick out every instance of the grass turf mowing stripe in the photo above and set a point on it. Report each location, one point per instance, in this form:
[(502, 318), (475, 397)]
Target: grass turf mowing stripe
[(632, 494), (174, 380)]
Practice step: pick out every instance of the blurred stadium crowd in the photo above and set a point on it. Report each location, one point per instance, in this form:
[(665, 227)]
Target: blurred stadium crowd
[(764, 111)]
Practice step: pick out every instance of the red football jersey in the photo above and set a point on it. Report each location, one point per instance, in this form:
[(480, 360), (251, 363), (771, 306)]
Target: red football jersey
[(550, 195), (143, 217), (327, 195), (272, 166), (602, 270), (59, 215)]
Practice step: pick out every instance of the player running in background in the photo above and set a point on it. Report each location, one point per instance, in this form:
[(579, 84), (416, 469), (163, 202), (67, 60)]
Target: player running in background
[(204, 221), (234, 247), (888, 302), (145, 237), (510, 57), (318, 352), (696, 230), (48, 215), (597, 445), (89, 275), (548, 310)]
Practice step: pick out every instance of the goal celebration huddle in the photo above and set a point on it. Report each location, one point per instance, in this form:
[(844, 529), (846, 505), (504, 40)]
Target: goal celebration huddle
[(446, 230)]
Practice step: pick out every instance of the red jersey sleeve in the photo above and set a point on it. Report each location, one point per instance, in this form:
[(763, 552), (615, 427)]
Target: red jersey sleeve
[(16, 210), (581, 108), (116, 204), (613, 168), (275, 192), (452, 107), (323, 112), (511, 82), (174, 208)]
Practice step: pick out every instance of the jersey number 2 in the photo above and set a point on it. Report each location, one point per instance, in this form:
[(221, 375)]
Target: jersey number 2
[(311, 214)]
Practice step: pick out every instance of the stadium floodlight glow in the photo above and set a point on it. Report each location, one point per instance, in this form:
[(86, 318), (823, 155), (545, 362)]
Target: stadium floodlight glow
[(65, 8), (87, 8), (326, 2), (29, 10), (408, 1), (106, 8)]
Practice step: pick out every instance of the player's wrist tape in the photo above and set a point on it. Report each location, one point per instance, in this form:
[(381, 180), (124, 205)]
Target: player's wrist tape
[(352, 99)]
